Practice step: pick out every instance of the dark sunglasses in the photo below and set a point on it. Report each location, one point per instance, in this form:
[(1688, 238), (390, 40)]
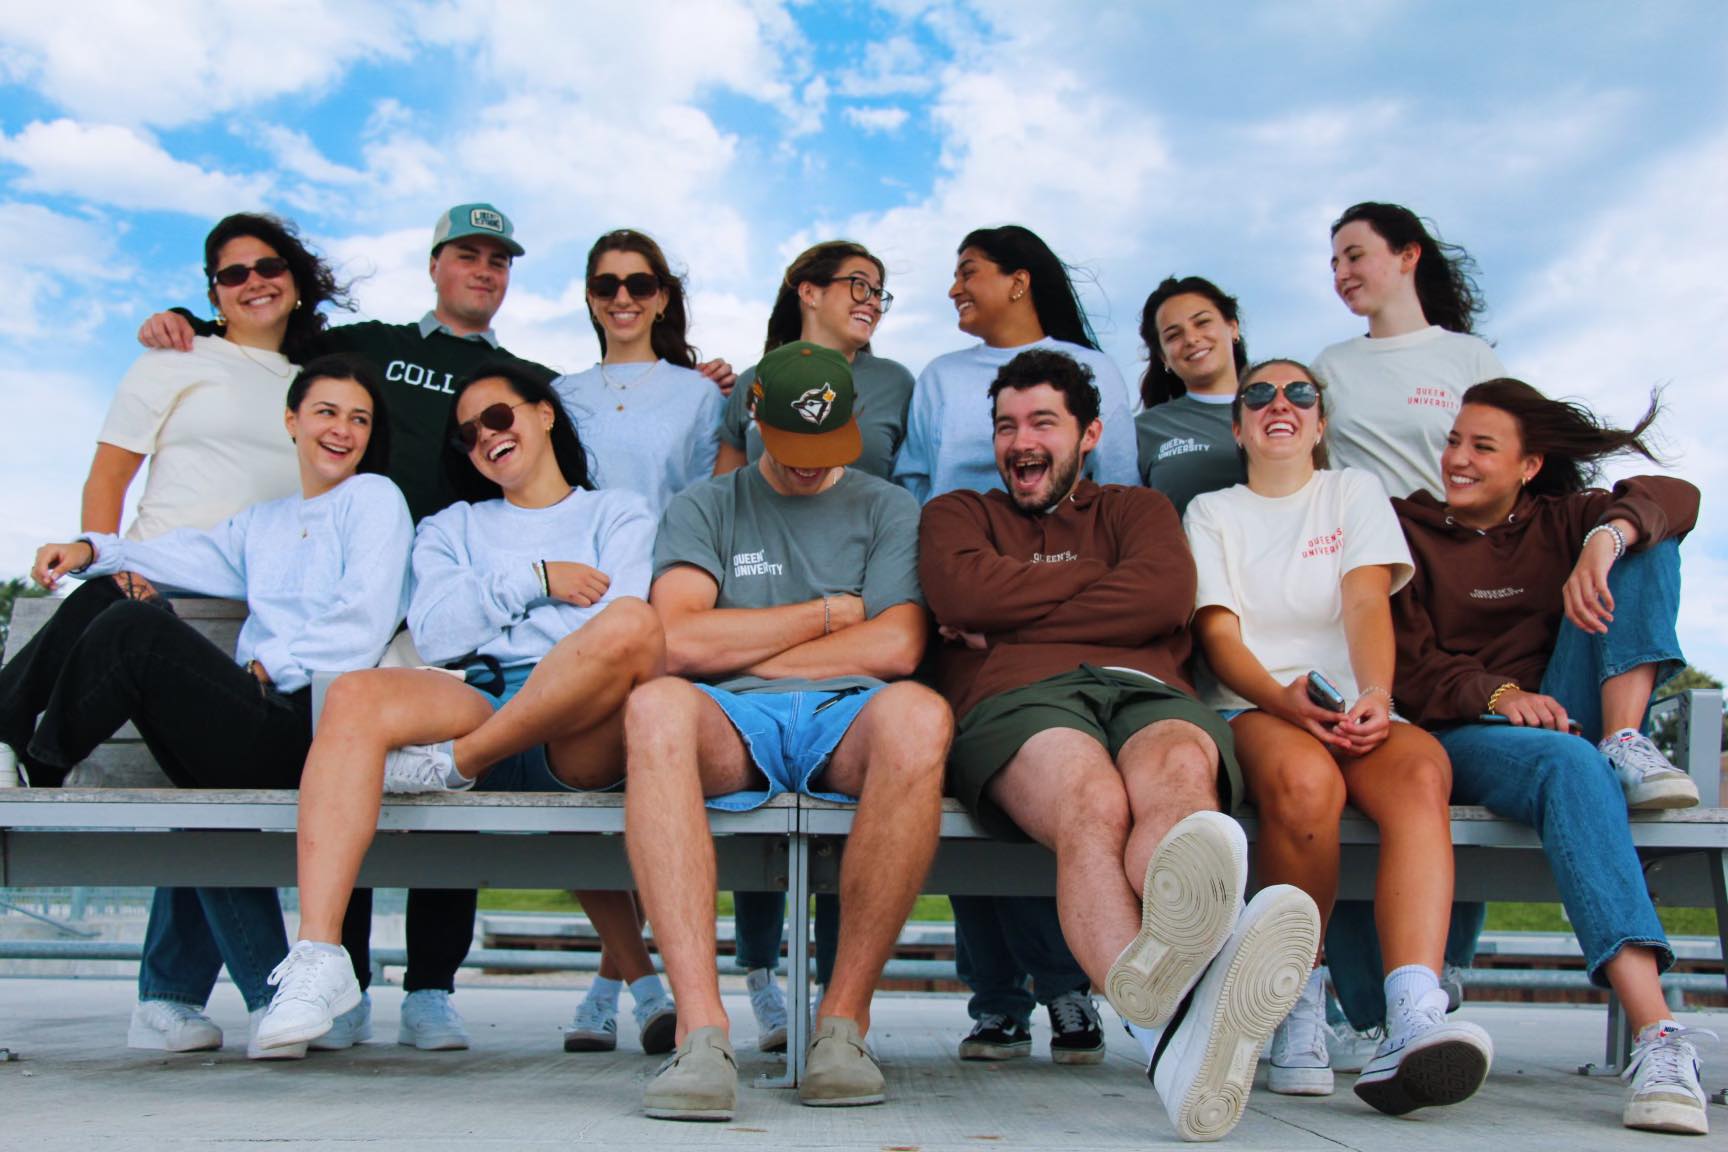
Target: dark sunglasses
[(269, 268), (863, 290), (640, 285), (498, 417), (1300, 393)]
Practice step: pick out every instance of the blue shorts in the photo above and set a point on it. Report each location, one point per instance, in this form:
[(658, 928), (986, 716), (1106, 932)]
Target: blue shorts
[(525, 771), (789, 736)]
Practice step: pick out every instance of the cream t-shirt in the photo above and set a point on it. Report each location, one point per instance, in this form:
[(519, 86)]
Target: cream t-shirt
[(210, 420), (1279, 565)]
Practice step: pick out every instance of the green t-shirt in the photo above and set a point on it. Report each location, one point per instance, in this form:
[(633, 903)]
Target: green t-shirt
[(1186, 448), (765, 550), (884, 390)]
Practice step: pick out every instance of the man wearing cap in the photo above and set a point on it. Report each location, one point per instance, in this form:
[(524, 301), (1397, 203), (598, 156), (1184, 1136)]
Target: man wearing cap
[(789, 595), (473, 246)]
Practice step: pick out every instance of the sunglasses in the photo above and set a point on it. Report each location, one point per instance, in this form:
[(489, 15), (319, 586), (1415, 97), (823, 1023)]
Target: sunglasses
[(498, 417), (269, 268), (1301, 394), (640, 285), (863, 290)]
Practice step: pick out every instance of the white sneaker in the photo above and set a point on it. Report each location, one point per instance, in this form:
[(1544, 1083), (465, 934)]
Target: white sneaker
[(431, 1023), (1666, 1095), (1452, 980), (9, 774), (1426, 1059), (1189, 902), (352, 1027), (256, 1051), (1351, 1050), (166, 1026), (1647, 777), (768, 1004), (1206, 1067), (313, 987), (421, 768), (1299, 1064), (594, 1028)]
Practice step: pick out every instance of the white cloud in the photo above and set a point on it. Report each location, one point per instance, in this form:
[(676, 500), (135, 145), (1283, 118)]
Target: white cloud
[(892, 67), (56, 267), (877, 120), (44, 469), (111, 164), (175, 62)]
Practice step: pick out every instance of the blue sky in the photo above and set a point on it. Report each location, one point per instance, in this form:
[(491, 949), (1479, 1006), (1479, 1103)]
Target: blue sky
[(1578, 150)]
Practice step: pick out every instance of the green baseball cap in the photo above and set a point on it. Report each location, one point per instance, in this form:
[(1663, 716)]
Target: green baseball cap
[(475, 220), (802, 400)]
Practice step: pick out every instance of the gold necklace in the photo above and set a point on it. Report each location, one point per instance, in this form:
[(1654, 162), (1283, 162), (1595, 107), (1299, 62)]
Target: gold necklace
[(261, 363), (613, 386)]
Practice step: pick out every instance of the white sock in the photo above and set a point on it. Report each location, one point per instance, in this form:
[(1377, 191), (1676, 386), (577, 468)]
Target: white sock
[(1407, 985), (1148, 1037), (647, 989), (1654, 1031), (320, 946), (453, 779), (604, 992)]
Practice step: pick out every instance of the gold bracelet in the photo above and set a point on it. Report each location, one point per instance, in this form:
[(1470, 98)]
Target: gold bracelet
[(1494, 700)]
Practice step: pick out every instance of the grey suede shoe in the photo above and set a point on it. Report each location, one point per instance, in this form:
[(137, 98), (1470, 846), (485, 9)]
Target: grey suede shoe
[(838, 1071), (698, 1082)]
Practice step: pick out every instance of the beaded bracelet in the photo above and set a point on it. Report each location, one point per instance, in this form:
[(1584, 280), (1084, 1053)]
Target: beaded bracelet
[(1619, 538), (827, 618)]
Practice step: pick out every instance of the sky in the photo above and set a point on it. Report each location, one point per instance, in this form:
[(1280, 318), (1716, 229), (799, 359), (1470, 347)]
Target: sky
[(1578, 150)]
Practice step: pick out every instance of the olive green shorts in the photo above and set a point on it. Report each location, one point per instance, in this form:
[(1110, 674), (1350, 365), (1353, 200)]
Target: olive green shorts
[(1106, 704)]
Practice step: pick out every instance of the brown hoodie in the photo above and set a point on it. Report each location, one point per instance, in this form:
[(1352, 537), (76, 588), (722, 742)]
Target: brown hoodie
[(1106, 578), (1484, 608)]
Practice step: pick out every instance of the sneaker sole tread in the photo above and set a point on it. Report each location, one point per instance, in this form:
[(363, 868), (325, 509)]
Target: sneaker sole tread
[(575, 1041), (994, 1051), (1448, 1071), (660, 1034)]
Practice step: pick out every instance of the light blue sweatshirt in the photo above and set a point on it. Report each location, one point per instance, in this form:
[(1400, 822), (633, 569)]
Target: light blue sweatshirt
[(325, 580), (475, 590), (650, 428), (950, 434)]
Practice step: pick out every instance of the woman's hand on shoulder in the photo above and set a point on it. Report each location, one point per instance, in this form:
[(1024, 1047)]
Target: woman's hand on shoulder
[(575, 583), (166, 330), (720, 372), (56, 560), (1533, 710), (1295, 706)]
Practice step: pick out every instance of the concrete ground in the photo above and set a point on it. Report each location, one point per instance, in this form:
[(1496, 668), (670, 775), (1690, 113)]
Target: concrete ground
[(75, 1086)]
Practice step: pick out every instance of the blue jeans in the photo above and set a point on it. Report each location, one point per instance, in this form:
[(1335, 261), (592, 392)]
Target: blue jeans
[(1002, 941), (1558, 784), (759, 920), (194, 931)]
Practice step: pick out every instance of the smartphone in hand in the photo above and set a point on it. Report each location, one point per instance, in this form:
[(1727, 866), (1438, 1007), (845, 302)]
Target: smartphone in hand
[(1324, 693)]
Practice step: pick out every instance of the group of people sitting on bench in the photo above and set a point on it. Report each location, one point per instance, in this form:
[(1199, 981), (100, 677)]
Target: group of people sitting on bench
[(822, 577)]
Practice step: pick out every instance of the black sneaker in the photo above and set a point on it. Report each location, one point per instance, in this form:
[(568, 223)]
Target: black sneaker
[(1077, 1034), (996, 1037)]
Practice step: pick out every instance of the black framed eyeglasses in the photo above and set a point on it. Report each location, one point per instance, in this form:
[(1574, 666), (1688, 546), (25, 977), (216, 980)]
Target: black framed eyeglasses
[(640, 285), (863, 290), (499, 417), (1301, 394), (234, 275)]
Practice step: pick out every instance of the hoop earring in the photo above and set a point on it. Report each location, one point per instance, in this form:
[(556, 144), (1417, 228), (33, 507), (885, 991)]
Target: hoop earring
[(220, 319)]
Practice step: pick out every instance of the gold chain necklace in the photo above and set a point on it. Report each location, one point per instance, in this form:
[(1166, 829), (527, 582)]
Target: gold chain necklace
[(262, 364), (613, 386)]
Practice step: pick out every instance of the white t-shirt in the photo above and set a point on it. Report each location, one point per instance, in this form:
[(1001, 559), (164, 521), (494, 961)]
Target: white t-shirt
[(211, 422), (653, 429), (1391, 401), (1279, 564)]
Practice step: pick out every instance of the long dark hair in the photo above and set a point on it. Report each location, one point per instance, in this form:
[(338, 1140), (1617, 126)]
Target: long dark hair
[(1012, 248), (1445, 273), (815, 265), (313, 280), (669, 334), (1159, 384), (465, 480), (346, 366), (1321, 457), (1570, 438)]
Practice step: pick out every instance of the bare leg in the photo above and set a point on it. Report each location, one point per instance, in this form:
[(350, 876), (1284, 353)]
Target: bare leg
[(891, 759), (681, 748), (1170, 770), (1625, 698), (1063, 790), (1633, 976), (1299, 791), (1404, 786), (572, 701), (619, 925), (365, 714)]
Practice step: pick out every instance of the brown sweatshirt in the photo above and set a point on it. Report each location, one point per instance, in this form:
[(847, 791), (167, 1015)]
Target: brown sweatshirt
[(1105, 579), (1484, 608)]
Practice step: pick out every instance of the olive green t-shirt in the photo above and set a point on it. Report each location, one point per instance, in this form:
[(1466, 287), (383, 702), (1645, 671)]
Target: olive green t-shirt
[(765, 550), (884, 390)]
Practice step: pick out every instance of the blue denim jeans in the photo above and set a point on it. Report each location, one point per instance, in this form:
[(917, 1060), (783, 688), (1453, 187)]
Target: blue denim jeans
[(759, 921), (1002, 941), (1557, 783), (193, 931)]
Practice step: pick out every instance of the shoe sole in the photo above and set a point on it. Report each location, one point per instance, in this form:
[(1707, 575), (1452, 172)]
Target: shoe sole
[(1189, 903), (150, 1040), (1266, 966), (440, 1044), (845, 1101), (308, 1033), (1077, 1055), (773, 1040), (669, 1113), (1663, 795), (1446, 1071), (1300, 1081), (969, 1051), (1662, 1116), (575, 1041), (660, 1034)]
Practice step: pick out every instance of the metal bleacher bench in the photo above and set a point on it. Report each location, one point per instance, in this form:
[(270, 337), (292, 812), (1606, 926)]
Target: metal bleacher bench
[(118, 822)]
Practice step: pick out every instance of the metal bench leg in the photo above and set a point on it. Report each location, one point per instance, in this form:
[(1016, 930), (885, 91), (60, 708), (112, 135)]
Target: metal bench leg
[(1616, 1045), (797, 964)]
